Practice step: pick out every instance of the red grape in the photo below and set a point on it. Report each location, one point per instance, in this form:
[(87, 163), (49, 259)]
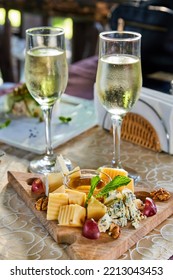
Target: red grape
[(150, 208), (37, 186), (90, 229)]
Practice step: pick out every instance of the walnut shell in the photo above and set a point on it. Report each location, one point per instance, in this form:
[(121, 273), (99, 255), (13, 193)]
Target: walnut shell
[(160, 194), (41, 203), (114, 230)]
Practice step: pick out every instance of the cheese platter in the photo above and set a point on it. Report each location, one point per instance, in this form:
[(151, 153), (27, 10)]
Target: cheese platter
[(80, 247)]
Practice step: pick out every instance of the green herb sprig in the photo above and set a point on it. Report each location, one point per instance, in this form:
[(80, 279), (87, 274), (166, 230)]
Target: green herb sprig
[(94, 182), (65, 119), (5, 123), (118, 181)]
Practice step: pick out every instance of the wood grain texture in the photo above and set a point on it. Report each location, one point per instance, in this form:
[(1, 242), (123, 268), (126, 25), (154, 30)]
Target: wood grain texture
[(80, 247)]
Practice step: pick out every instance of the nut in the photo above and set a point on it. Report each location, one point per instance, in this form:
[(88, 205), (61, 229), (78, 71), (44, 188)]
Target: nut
[(114, 230), (139, 204), (41, 203), (160, 194), (44, 204)]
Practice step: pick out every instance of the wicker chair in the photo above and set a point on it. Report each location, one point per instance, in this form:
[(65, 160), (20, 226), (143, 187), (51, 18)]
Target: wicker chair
[(138, 130)]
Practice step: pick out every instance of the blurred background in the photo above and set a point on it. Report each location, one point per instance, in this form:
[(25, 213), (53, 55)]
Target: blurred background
[(83, 20)]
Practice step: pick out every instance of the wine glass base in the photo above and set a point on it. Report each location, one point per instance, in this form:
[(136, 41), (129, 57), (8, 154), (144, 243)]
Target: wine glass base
[(47, 164)]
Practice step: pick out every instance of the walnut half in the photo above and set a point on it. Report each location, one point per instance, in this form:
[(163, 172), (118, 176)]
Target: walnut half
[(41, 203), (114, 230), (160, 194)]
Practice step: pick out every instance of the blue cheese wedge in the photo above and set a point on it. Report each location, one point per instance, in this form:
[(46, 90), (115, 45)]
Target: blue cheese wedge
[(121, 208), (104, 223)]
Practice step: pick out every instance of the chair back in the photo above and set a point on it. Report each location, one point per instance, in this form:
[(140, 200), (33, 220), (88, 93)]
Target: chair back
[(6, 65), (154, 20)]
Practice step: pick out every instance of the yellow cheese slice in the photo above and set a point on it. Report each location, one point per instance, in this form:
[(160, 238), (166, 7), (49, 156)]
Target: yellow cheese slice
[(95, 209), (53, 181), (75, 172), (55, 200), (71, 215), (62, 164), (76, 197), (60, 189), (112, 172)]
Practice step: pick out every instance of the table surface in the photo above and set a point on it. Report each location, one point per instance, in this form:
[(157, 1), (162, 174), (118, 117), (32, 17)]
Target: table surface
[(23, 237)]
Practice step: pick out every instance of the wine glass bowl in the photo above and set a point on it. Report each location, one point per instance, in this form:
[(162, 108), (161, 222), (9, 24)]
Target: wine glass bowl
[(118, 79), (46, 75)]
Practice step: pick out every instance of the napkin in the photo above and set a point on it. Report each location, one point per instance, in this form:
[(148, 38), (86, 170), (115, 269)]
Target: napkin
[(156, 107)]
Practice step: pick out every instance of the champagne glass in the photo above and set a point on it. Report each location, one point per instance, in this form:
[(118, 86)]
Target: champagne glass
[(46, 75), (119, 81)]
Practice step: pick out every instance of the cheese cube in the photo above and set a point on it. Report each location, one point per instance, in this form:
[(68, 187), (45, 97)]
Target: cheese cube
[(55, 200), (95, 209), (60, 189), (76, 172), (62, 164), (76, 197), (53, 181), (71, 215)]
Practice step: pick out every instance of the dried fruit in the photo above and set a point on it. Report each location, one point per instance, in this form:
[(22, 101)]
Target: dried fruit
[(90, 229), (37, 186), (142, 195), (150, 208)]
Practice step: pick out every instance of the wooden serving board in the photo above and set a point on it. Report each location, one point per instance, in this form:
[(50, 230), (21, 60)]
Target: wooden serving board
[(80, 247)]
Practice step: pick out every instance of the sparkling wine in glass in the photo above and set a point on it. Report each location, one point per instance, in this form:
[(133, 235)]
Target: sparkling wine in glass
[(46, 75), (119, 81)]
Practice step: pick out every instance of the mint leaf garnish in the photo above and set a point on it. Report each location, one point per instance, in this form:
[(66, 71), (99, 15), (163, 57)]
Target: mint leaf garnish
[(94, 182), (65, 119), (118, 181), (5, 123)]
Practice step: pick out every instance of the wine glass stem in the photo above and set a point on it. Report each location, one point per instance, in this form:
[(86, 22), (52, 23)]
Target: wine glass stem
[(116, 122), (47, 113)]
